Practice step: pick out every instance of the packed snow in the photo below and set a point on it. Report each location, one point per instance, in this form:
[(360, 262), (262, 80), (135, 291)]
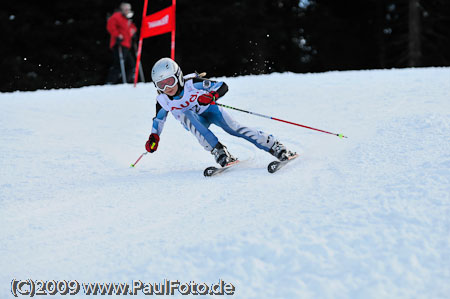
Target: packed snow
[(363, 217)]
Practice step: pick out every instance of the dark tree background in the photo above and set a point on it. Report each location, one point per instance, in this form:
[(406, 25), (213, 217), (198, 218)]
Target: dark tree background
[(61, 44)]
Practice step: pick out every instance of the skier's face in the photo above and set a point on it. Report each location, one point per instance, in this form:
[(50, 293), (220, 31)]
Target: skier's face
[(171, 91)]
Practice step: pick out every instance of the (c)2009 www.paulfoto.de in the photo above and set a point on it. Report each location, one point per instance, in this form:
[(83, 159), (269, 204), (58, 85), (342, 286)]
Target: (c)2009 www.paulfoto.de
[(168, 287)]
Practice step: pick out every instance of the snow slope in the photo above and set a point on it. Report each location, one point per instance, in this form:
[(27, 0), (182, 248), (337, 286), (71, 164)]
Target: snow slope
[(363, 217)]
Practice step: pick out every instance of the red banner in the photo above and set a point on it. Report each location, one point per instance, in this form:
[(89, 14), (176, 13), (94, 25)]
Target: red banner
[(158, 23)]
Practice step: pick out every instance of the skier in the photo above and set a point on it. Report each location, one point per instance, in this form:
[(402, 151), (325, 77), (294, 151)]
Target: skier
[(191, 100)]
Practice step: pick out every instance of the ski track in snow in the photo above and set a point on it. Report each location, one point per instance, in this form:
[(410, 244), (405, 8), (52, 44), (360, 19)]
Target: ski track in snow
[(363, 217)]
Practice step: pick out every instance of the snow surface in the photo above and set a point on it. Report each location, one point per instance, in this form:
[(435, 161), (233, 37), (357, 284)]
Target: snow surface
[(363, 217)]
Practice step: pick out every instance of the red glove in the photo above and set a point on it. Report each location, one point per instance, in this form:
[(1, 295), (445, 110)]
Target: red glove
[(207, 98), (152, 144)]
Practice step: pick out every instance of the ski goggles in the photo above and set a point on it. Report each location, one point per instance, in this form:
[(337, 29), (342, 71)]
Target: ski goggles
[(167, 82)]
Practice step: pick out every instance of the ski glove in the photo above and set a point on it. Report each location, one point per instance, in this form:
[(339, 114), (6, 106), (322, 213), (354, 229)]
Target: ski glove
[(152, 144), (207, 98)]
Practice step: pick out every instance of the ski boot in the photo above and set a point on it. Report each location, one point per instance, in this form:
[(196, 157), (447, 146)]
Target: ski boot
[(221, 154), (279, 151)]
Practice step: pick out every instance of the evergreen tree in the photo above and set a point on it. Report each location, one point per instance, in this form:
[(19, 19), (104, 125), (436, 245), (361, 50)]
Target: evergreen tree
[(419, 32)]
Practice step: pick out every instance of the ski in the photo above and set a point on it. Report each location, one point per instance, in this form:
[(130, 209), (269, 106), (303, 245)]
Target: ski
[(277, 165), (213, 170)]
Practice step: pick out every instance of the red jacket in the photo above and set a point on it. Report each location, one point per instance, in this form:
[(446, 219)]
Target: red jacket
[(119, 24)]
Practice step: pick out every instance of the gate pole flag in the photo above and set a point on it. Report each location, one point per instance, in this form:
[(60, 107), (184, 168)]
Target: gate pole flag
[(158, 23)]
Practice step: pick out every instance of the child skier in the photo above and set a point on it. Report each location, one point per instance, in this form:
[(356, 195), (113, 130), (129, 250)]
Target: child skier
[(192, 103)]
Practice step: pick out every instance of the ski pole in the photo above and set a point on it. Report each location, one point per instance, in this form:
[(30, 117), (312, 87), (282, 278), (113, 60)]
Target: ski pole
[(122, 65), (274, 118), (132, 165)]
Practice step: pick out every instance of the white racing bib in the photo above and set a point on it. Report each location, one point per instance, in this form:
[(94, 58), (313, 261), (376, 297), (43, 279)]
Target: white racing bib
[(187, 102)]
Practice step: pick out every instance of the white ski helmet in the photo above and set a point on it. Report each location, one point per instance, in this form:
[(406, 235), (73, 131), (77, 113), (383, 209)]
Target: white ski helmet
[(166, 72)]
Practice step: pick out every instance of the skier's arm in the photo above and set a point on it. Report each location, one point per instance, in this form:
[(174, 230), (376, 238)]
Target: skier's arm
[(112, 26), (221, 88), (159, 119), (209, 85), (158, 124), (133, 29), (214, 89)]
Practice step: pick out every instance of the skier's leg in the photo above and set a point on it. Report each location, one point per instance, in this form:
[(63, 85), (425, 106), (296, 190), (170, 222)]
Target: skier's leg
[(221, 118), (260, 139), (198, 126)]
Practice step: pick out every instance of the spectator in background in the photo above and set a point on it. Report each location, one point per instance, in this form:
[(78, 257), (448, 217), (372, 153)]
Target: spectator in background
[(122, 29)]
